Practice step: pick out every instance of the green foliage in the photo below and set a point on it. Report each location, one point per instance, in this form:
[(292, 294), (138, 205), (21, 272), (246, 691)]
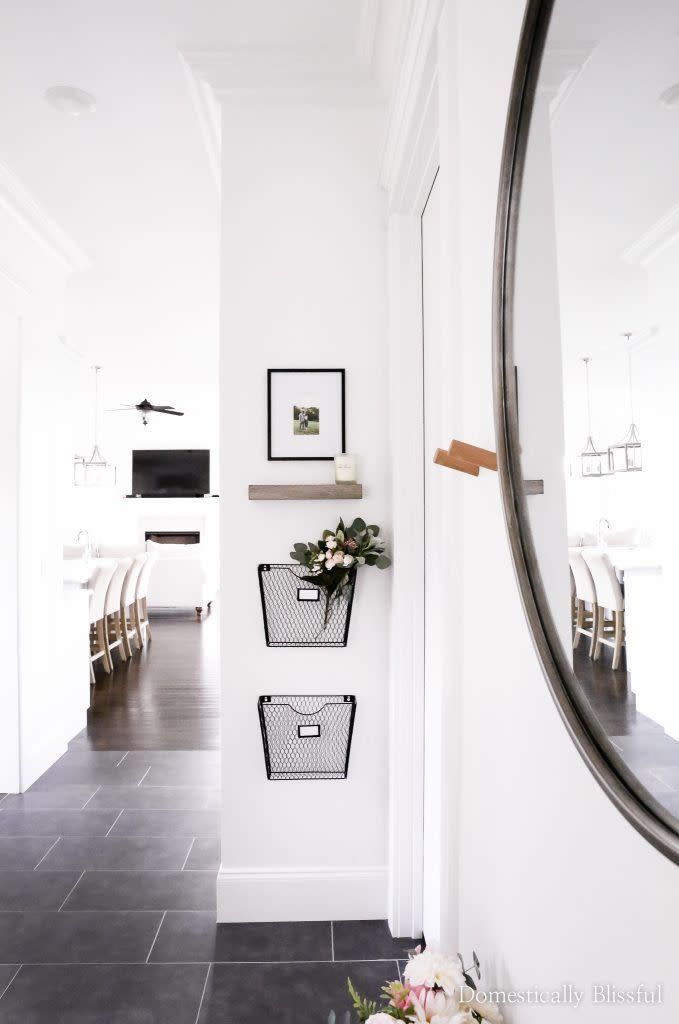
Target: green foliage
[(364, 1007)]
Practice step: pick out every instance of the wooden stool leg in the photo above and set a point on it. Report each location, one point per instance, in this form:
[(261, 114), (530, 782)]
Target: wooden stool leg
[(137, 622), (147, 624), (599, 632), (119, 635), (102, 643), (579, 621), (126, 631), (595, 627), (619, 635)]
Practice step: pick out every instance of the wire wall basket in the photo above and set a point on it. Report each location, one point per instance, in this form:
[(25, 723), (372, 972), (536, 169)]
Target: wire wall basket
[(307, 737), (297, 614)]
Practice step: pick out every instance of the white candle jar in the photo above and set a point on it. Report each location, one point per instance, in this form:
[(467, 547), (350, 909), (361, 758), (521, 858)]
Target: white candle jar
[(345, 469)]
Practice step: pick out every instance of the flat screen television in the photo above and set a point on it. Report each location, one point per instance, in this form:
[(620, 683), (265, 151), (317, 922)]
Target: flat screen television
[(164, 473)]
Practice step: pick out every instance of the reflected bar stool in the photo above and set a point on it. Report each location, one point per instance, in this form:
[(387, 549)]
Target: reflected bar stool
[(610, 630), (585, 594)]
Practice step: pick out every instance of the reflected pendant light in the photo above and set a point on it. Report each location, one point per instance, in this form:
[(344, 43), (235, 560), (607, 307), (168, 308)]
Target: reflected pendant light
[(625, 456), (592, 461), (95, 471)]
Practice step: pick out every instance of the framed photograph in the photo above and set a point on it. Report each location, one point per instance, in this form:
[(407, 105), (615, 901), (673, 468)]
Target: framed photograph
[(305, 415)]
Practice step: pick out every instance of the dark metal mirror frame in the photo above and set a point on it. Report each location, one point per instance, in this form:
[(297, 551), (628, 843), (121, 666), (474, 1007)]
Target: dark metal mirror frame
[(623, 787)]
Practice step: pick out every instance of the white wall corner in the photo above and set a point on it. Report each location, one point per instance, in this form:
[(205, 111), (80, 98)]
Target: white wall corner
[(17, 201), (206, 108), (281, 76), (660, 236), (366, 35), (414, 88), (301, 894), (562, 65)]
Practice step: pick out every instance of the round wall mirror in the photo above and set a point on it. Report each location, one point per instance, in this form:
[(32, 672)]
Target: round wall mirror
[(586, 374)]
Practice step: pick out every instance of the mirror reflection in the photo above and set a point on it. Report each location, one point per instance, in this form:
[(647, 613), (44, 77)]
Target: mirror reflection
[(596, 336)]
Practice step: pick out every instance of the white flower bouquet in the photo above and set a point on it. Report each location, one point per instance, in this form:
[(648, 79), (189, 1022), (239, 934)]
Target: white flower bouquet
[(334, 559), (436, 989)]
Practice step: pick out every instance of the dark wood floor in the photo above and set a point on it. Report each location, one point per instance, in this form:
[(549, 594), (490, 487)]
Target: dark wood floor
[(167, 697)]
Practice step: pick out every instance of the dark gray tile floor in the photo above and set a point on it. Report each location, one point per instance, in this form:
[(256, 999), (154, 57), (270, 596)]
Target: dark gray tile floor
[(108, 868), (643, 744)]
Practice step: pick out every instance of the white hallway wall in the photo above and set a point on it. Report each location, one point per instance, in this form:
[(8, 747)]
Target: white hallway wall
[(554, 885), (302, 286)]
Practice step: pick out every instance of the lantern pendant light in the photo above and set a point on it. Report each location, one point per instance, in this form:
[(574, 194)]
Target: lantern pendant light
[(625, 456), (592, 461), (95, 471)]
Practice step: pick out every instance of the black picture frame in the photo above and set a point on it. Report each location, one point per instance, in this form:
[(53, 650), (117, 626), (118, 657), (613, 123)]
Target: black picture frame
[(305, 458)]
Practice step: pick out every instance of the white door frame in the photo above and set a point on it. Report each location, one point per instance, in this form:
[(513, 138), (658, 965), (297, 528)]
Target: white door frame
[(410, 164)]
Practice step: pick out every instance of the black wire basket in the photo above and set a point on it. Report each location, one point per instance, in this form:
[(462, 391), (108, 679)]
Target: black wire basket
[(306, 737), (297, 614)]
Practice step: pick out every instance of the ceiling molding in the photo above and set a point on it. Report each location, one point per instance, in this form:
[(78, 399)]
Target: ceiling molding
[(412, 93), (368, 19), (10, 278), (562, 65), (20, 204), (284, 77), (206, 108), (660, 236)]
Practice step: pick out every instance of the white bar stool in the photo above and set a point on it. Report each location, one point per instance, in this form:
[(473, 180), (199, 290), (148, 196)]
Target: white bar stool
[(610, 630), (585, 594), (113, 633), (98, 587)]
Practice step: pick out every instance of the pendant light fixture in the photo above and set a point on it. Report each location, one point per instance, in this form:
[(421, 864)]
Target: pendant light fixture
[(95, 471), (592, 461), (625, 456)]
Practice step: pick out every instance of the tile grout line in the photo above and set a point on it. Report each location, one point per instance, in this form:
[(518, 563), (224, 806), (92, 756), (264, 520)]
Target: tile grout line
[(90, 798), (202, 997), (122, 759), (156, 935), (70, 893), (332, 942), (144, 776), (46, 852), (4, 797), (188, 854), (114, 823), (10, 980)]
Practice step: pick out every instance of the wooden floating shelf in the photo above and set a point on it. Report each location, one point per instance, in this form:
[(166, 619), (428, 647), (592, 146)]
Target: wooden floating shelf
[(304, 492), (533, 486)]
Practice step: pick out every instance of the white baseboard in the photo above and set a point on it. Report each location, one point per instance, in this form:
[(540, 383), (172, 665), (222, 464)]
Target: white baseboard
[(301, 894)]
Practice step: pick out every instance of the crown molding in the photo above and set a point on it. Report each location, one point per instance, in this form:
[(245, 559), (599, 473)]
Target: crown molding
[(368, 19), (660, 236), (20, 204), (284, 77), (412, 93), (562, 65), (206, 108)]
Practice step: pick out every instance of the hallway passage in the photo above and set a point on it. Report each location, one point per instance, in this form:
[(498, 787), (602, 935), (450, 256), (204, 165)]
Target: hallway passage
[(108, 867), (164, 698)]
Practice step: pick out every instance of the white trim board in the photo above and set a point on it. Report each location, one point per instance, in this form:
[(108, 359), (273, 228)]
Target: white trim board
[(301, 894), (35, 220)]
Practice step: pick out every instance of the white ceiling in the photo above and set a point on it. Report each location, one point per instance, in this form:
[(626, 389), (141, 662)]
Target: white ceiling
[(132, 183), (615, 149)]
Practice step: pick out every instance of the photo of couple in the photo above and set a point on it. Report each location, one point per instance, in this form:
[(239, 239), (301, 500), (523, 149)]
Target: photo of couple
[(305, 420)]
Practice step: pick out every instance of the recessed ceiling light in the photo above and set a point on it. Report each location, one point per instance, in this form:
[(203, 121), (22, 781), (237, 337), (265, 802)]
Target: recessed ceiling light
[(69, 100), (669, 97)]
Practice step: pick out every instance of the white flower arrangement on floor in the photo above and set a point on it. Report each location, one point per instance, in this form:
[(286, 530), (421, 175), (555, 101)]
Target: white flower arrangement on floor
[(436, 989)]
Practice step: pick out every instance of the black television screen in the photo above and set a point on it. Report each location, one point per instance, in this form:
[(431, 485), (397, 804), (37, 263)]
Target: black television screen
[(171, 474)]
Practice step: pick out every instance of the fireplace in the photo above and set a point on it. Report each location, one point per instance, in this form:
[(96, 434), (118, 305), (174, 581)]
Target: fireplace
[(173, 536)]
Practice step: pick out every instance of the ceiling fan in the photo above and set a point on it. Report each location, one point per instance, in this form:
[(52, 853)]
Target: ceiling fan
[(146, 408)]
